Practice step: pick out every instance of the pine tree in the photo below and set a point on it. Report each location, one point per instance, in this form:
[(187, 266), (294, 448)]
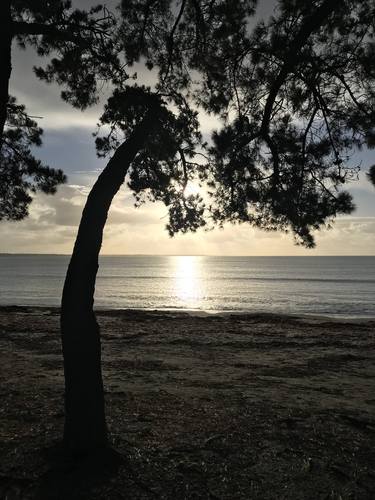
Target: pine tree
[(299, 100), (297, 97)]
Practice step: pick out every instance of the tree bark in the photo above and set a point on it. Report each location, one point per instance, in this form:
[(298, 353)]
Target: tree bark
[(5, 61), (85, 424)]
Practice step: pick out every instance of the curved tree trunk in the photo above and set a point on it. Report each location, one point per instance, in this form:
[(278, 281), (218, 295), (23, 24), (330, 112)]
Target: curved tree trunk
[(85, 424), (5, 61)]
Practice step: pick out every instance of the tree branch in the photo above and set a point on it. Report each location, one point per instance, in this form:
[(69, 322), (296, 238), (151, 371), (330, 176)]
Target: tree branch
[(322, 184), (311, 24), (306, 132), (200, 21), (146, 16), (320, 101), (170, 38), (354, 99), (275, 159), (184, 167), (23, 28)]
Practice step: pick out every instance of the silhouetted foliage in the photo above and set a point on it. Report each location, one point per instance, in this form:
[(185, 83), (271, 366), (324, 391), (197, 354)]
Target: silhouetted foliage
[(176, 37), (371, 174), (299, 98), (20, 172), (162, 167), (81, 54), (80, 46), (296, 93)]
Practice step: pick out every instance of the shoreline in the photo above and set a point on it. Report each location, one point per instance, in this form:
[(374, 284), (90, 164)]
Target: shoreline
[(200, 313)]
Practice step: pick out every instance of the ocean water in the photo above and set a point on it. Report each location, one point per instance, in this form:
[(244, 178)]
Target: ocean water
[(330, 286)]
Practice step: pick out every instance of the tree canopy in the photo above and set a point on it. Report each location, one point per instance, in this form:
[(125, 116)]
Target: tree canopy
[(300, 100), (81, 53), (20, 172), (172, 38), (296, 94)]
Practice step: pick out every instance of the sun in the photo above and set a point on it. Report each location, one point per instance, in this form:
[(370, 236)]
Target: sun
[(191, 189)]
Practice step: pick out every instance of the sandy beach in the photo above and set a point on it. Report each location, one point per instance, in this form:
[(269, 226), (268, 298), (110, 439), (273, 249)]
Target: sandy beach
[(199, 406)]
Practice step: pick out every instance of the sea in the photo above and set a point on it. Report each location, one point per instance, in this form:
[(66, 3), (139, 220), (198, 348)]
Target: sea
[(341, 287)]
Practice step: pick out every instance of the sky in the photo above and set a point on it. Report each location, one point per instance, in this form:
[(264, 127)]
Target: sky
[(68, 144)]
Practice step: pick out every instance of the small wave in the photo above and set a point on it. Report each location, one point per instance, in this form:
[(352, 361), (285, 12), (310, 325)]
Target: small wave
[(241, 278)]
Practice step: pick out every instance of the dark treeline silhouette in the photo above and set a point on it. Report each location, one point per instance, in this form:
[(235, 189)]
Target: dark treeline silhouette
[(297, 97)]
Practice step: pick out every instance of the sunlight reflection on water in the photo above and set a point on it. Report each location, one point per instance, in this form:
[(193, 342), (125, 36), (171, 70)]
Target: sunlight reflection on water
[(188, 283), (334, 286)]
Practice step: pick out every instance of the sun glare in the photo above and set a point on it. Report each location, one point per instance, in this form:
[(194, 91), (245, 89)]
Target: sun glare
[(191, 189), (187, 280)]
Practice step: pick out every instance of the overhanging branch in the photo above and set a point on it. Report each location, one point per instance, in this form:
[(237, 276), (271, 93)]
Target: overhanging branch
[(311, 24), (24, 28)]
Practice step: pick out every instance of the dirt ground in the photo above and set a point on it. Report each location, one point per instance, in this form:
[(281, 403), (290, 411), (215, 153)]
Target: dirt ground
[(199, 407)]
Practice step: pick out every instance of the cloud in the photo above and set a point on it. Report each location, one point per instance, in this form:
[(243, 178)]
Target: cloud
[(349, 236), (53, 223), (73, 151)]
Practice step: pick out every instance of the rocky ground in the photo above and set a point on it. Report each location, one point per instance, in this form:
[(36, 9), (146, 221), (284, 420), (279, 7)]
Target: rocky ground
[(199, 407)]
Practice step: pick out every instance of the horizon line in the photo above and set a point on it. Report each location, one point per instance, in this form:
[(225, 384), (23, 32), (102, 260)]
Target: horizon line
[(184, 255)]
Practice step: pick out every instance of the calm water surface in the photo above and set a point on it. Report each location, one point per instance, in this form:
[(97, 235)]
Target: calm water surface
[(333, 286)]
